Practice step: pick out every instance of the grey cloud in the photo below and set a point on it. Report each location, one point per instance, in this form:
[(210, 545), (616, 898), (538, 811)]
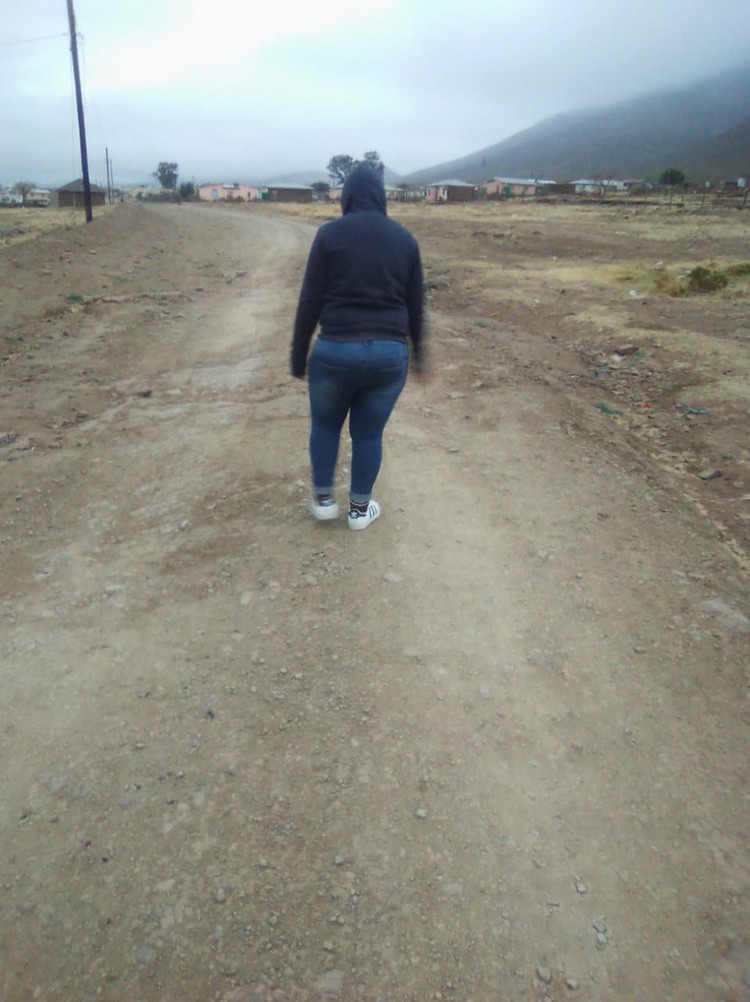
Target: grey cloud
[(420, 84)]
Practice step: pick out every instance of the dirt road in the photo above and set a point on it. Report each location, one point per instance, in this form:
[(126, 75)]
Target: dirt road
[(493, 748)]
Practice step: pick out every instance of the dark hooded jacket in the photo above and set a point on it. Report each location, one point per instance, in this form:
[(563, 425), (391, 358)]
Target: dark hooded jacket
[(363, 279)]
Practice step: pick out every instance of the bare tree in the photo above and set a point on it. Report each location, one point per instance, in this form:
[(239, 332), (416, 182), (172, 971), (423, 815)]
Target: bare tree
[(23, 188), (340, 167)]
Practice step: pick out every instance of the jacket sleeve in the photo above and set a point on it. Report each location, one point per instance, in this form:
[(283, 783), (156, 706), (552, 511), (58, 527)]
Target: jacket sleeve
[(415, 306), (309, 307)]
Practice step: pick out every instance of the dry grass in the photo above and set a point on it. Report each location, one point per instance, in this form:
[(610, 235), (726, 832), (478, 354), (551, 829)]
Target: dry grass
[(19, 225), (686, 278)]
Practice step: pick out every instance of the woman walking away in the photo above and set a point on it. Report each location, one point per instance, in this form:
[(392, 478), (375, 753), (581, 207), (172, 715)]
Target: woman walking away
[(363, 284)]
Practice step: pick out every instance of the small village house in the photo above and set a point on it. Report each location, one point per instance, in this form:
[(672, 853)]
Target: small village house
[(410, 193), (450, 191), (228, 192), (587, 186), (70, 196), (406, 193), (733, 186), (39, 197), (515, 187), (287, 192), (35, 197), (605, 185), (10, 197)]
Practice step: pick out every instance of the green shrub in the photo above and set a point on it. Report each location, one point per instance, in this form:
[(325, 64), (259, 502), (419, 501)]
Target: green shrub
[(702, 279)]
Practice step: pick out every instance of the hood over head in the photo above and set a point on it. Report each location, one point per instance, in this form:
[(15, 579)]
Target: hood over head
[(363, 191)]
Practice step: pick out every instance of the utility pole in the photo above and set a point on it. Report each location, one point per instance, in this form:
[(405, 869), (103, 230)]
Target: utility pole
[(110, 184), (79, 105)]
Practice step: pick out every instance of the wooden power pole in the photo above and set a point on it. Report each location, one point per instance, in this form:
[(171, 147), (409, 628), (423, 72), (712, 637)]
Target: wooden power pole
[(110, 180), (79, 105)]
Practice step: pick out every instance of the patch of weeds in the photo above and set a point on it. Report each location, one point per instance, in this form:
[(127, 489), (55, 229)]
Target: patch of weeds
[(668, 284), (703, 280), (74, 297), (658, 279), (700, 279), (738, 270)]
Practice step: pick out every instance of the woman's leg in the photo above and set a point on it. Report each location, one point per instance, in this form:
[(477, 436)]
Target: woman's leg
[(371, 406), (330, 389)]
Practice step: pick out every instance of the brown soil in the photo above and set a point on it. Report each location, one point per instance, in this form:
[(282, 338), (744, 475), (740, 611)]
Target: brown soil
[(495, 747)]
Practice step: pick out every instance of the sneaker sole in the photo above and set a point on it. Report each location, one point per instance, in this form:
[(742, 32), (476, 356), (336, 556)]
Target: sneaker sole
[(324, 513)]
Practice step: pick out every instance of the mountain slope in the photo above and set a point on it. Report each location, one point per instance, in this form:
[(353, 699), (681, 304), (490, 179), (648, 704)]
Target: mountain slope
[(701, 129)]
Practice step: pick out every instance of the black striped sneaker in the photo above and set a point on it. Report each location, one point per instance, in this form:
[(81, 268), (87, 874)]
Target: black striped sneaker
[(360, 520)]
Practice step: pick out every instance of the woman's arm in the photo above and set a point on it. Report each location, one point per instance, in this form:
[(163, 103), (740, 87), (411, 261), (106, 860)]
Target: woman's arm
[(308, 308)]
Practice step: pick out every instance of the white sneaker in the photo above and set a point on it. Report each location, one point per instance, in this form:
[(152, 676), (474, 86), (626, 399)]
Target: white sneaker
[(325, 511), (357, 520)]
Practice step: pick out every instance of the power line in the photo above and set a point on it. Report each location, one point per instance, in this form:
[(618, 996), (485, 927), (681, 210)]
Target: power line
[(29, 41), (91, 95)]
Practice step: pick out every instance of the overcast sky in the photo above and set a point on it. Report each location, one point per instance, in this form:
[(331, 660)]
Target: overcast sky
[(238, 90)]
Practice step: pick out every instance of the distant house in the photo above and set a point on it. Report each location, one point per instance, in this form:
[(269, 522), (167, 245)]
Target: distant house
[(38, 197), (34, 197), (733, 186), (597, 186), (8, 197), (507, 187), (407, 193), (70, 196), (605, 185), (586, 186), (287, 192), (228, 192), (450, 191)]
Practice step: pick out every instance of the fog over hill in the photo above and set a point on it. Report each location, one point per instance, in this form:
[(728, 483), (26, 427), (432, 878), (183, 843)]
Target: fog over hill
[(703, 129)]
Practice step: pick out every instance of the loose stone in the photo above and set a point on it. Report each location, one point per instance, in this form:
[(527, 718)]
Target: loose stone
[(331, 984)]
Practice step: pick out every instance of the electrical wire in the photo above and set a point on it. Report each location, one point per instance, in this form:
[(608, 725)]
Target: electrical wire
[(92, 98), (29, 41)]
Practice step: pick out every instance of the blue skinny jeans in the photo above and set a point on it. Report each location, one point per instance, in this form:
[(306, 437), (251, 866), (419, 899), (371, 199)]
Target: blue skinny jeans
[(364, 380)]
